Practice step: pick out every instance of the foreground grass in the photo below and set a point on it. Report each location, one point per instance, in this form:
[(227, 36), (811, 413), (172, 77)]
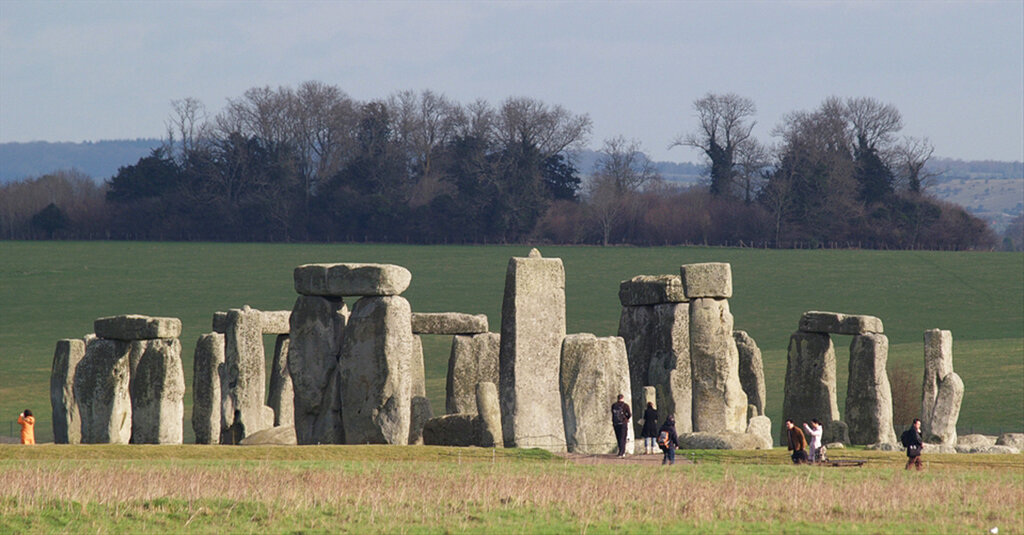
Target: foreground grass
[(438, 490)]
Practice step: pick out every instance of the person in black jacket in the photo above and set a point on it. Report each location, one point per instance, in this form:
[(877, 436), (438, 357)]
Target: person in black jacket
[(650, 430), (621, 417), (669, 448), (912, 440)]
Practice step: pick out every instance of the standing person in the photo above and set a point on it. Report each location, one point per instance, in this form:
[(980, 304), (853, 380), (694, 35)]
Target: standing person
[(797, 442), (650, 430), (621, 417), (668, 440), (814, 431), (28, 427), (912, 440)]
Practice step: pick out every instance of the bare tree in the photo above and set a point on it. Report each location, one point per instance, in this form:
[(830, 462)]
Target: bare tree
[(874, 124), (528, 122), (187, 129), (725, 125), (911, 156), (620, 173)]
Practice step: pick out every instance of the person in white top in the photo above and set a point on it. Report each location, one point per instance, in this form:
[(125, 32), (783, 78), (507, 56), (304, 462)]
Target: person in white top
[(814, 439)]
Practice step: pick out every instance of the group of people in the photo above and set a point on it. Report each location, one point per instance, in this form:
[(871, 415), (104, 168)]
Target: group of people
[(813, 451), (663, 436)]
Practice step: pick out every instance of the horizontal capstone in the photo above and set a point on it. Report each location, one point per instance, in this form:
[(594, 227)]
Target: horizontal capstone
[(137, 327)]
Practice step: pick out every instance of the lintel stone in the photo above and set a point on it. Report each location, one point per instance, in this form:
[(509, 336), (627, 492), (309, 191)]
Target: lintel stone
[(344, 280), (836, 323), (136, 327), (651, 290), (448, 323)]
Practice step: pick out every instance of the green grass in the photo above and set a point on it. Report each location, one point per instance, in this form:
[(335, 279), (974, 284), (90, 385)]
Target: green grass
[(54, 290)]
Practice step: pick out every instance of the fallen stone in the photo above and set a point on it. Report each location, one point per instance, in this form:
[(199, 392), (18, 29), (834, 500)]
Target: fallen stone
[(317, 328), (836, 323), (344, 280), (999, 450), (810, 387), (451, 430), (751, 370), (594, 371), (884, 446), (976, 441), (1014, 440), (473, 359), (868, 395), (835, 446), (708, 280), (275, 321), (101, 389), (275, 436), (137, 327), (157, 389), (651, 290), (719, 403), (281, 398), (207, 367), (721, 441), (938, 448), (448, 323), (761, 427), (488, 408), (67, 424)]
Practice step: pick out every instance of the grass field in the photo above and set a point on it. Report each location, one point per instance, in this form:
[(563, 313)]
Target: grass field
[(389, 489), (54, 290)]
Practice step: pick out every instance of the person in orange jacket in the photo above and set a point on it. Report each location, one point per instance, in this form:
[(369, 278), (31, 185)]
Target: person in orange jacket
[(28, 427)]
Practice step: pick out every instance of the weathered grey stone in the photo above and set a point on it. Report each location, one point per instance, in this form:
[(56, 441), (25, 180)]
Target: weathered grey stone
[(761, 427), (711, 279), (448, 323), (419, 405), (721, 441), (658, 347), (975, 441), (488, 408), (343, 280), (282, 392), (474, 359), (751, 370), (836, 323), (594, 371), (938, 448), (719, 404), (157, 389), (938, 364), (375, 371), (207, 367), (275, 436), (1014, 440), (650, 396), (243, 387), (1007, 450), (810, 388), (884, 446), (651, 290), (532, 329), (451, 430), (67, 424), (947, 410), (137, 327), (275, 321), (836, 431), (835, 446), (220, 322), (101, 389), (868, 395), (317, 330)]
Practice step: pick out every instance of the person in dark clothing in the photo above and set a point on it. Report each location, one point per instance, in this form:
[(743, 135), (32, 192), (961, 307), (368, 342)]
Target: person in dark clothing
[(797, 442), (621, 417), (912, 440), (650, 430), (671, 442)]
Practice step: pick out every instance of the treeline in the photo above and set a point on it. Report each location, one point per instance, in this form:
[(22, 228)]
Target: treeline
[(313, 164)]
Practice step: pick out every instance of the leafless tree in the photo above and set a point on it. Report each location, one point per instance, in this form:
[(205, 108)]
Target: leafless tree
[(873, 123), (620, 173), (524, 122), (911, 156), (725, 125), (187, 129)]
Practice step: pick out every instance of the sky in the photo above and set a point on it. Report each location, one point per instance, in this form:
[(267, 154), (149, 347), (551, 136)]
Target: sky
[(90, 70)]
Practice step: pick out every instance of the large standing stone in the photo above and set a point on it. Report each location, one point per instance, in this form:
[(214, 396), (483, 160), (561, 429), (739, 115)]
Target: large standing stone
[(488, 409), (207, 367), (938, 365), (594, 372), (448, 323), (343, 280), (101, 389), (719, 404), (243, 389), (419, 405), (751, 370), (282, 392), (947, 410), (157, 387), (868, 396), (532, 329), (67, 424), (711, 279), (651, 290), (317, 330), (474, 359), (638, 328), (137, 327), (835, 323), (374, 370), (657, 341), (810, 390)]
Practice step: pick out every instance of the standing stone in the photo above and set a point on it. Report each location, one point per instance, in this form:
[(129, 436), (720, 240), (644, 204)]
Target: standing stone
[(314, 345), (810, 390), (374, 371), (719, 404), (474, 359), (532, 329), (751, 371), (488, 409), (868, 396), (650, 396), (638, 328), (101, 389), (67, 424), (157, 388), (594, 371), (243, 389), (282, 392), (947, 410), (419, 405), (938, 365), (207, 367), (657, 339), (761, 427)]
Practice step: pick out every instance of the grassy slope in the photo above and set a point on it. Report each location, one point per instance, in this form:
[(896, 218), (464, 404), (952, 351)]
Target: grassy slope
[(53, 290)]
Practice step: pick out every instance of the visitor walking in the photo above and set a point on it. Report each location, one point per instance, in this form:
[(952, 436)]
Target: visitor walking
[(797, 442), (668, 441), (650, 430), (911, 439), (814, 447), (28, 427), (621, 417)]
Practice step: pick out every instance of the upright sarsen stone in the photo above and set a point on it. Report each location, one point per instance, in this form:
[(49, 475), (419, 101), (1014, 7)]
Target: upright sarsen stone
[(719, 403), (101, 389), (474, 359), (943, 390), (868, 395), (488, 410), (67, 424), (282, 394), (419, 405), (375, 371), (157, 388), (810, 390), (751, 370), (243, 388), (207, 366), (657, 339), (594, 371), (532, 329), (317, 329)]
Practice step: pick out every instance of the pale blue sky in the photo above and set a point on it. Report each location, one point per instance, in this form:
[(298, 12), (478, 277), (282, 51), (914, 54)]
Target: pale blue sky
[(85, 70)]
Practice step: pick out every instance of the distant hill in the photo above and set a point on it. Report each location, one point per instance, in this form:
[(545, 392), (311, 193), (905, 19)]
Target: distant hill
[(98, 159)]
